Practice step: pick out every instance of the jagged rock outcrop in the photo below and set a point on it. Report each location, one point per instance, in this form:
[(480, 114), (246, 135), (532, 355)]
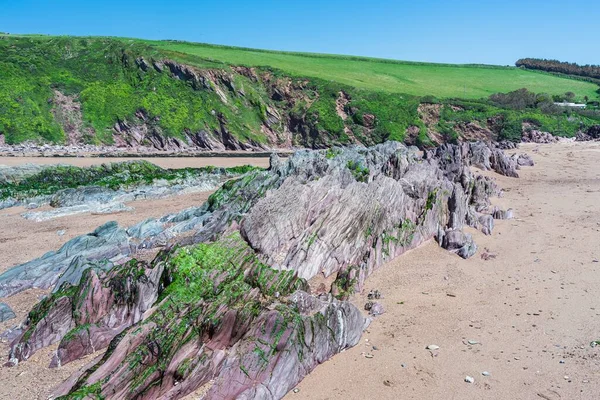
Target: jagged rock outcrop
[(106, 242), (235, 304), (536, 136), (507, 145), (91, 313), (593, 133), (253, 330)]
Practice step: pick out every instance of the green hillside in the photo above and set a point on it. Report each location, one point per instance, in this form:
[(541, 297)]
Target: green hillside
[(419, 79), (169, 95)]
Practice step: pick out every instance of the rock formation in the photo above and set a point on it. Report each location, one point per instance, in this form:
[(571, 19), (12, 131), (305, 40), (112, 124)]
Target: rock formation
[(593, 133), (536, 136), (256, 297)]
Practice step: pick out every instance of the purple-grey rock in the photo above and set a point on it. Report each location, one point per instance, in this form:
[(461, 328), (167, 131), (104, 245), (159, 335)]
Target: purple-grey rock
[(6, 313)]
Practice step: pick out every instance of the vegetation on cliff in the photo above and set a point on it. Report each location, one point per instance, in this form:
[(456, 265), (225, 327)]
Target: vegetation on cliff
[(169, 95)]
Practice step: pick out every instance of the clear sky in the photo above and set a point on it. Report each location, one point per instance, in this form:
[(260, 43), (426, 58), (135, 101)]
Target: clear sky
[(483, 31)]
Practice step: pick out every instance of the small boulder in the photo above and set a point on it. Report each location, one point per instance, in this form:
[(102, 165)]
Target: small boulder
[(458, 242), (503, 214), (6, 313), (525, 160)]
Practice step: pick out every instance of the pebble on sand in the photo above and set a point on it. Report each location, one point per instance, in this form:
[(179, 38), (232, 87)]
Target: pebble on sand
[(433, 347), (469, 379)]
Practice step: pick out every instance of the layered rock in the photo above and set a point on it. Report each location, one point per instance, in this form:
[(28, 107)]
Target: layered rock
[(536, 136), (593, 133), (252, 312), (86, 316)]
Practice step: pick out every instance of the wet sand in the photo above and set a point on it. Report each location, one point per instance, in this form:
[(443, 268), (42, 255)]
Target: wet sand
[(164, 162)]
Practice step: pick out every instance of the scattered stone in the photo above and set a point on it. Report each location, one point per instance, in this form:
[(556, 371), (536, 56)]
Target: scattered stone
[(296, 390), (487, 255), (469, 379), (485, 373), (60, 233), (503, 214), (403, 365), (524, 160), (6, 313), (561, 362), (369, 355), (433, 347), (375, 309), (449, 294), (374, 295), (473, 342), (387, 383)]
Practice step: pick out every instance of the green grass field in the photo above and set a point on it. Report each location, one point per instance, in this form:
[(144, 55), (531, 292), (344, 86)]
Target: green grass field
[(440, 80)]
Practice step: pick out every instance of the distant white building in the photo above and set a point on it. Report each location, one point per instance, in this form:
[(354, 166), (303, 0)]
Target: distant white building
[(572, 105)]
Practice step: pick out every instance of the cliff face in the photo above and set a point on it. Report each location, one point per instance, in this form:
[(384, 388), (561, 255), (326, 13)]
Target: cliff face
[(110, 92), (253, 296)]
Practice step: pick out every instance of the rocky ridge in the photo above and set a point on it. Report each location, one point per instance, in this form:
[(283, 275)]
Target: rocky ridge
[(254, 298)]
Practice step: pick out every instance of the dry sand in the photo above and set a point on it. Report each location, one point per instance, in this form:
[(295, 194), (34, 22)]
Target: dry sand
[(166, 162), (535, 304)]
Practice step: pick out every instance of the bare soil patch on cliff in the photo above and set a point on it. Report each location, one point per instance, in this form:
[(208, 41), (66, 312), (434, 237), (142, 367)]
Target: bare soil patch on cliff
[(526, 317)]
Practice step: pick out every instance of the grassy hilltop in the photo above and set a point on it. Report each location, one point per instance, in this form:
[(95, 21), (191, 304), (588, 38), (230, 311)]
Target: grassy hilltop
[(419, 79), (168, 95)]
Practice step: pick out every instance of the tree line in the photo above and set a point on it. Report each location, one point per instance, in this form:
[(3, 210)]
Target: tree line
[(588, 71)]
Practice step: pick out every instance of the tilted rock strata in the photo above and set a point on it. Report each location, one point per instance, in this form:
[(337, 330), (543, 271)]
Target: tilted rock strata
[(236, 309)]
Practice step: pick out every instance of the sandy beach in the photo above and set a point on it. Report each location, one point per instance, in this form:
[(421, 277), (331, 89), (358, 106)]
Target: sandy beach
[(526, 317), (534, 305), (164, 162)]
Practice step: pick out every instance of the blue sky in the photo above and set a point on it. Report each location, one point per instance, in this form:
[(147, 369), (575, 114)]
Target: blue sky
[(491, 32)]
